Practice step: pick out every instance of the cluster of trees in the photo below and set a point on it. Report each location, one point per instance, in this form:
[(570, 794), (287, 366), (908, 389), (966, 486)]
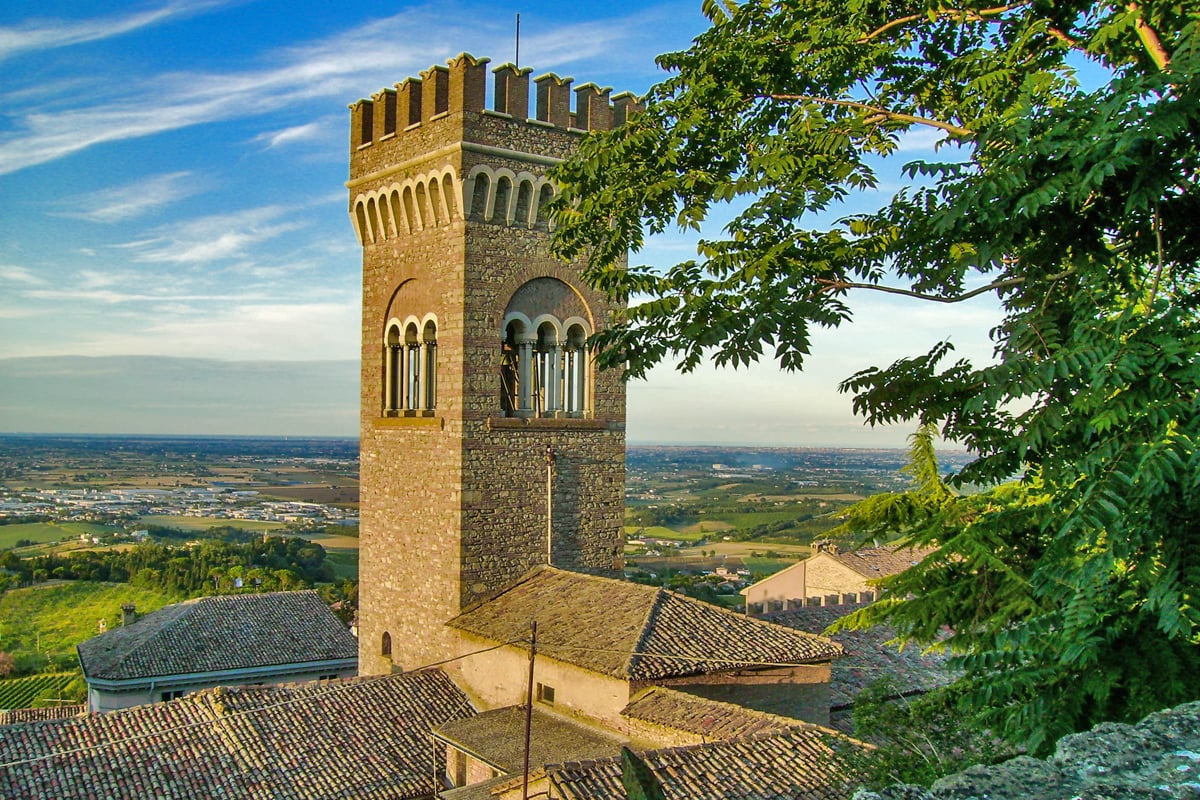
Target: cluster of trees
[(209, 567), (1069, 199)]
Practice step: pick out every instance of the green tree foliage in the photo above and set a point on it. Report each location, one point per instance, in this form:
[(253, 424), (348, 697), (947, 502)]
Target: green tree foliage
[(637, 779), (212, 566), (1073, 591)]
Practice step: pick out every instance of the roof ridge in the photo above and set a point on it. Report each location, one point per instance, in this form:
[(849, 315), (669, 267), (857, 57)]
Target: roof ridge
[(725, 613), (173, 614), (647, 628), (787, 722)]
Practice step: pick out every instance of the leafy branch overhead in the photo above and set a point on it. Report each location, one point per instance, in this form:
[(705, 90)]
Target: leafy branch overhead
[(1063, 185)]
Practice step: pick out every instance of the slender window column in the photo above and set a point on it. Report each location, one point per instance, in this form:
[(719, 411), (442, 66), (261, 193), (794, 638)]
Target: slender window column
[(393, 377), (574, 368), (525, 379), (554, 378), (402, 378), (430, 374), (414, 377)]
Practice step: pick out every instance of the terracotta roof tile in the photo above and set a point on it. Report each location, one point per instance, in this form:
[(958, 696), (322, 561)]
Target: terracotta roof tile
[(796, 764), (498, 737), (14, 716), (363, 738), (701, 716), (877, 562), (226, 632), (869, 656), (636, 632)]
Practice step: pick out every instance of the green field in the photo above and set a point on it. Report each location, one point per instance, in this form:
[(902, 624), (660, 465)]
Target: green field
[(204, 523), (50, 619), (42, 690), (49, 532), (345, 562), (659, 532)]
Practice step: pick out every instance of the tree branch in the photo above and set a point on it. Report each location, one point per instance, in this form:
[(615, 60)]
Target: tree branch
[(974, 16), (1150, 40), (877, 114), (830, 284)]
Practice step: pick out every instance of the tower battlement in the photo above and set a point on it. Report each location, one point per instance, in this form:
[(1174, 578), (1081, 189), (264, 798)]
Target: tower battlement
[(460, 86)]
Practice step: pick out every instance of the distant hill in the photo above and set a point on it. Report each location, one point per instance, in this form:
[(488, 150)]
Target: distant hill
[(163, 395)]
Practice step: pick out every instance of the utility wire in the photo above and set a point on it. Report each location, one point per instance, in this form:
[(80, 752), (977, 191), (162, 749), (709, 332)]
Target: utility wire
[(350, 685)]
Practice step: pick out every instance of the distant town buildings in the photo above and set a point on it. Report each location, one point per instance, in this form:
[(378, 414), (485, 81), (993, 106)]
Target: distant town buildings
[(206, 502)]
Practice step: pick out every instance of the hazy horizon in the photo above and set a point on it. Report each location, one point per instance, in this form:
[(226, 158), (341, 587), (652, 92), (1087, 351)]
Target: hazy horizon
[(172, 396)]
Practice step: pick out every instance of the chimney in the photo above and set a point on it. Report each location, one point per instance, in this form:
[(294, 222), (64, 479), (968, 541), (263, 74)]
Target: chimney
[(128, 614)]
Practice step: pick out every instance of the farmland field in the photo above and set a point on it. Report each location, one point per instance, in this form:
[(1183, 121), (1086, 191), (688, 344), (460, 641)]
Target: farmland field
[(50, 619), (42, 690), (42, 532), (204, 523)]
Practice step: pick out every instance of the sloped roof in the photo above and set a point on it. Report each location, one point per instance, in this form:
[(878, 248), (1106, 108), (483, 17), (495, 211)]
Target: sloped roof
[(360, 737), (869, 656), (878, 562), (498, 737), (15, 716), (795, 764), (700, 715), (626, 630), (226, 632)]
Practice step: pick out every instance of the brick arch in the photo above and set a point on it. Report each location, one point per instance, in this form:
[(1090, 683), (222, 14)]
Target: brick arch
[(524, 275), (426, 200)]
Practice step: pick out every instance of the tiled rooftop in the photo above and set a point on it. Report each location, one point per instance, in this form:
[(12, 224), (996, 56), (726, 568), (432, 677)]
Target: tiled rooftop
[(498, 737), (636, 632), (14, 716), (795, 764), (226, 632), (877, 562), (361, 738), (701, 716), (869, 657)]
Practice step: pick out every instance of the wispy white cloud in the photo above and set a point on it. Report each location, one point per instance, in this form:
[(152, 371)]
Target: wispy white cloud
[(236, 329), (121, 203), (372, 55), (212, 238), (22, 275), (297, 133), (49, 34)]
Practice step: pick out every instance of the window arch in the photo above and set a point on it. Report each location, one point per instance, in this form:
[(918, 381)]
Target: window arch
[(429, 351), (385, 645), (393, 372), (548, 376), (544, 371), (410, 367), (575, 371)]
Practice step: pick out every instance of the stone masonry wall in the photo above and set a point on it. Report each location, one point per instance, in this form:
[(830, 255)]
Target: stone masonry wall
[(1157, 758)]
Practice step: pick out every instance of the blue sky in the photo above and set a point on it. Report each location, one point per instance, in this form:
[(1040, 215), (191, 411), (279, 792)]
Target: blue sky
[(171, 184)]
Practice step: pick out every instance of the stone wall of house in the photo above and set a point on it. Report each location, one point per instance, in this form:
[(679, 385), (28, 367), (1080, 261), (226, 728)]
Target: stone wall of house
[(1157, 758), (445, 197), (826, 576), (800, 692), (499, 678)]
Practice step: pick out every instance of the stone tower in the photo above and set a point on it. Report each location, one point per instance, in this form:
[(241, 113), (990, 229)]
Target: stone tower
[(490, 442)]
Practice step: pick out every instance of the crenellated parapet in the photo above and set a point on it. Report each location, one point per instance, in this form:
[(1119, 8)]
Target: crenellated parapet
[(461, 87), (437, 149)]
